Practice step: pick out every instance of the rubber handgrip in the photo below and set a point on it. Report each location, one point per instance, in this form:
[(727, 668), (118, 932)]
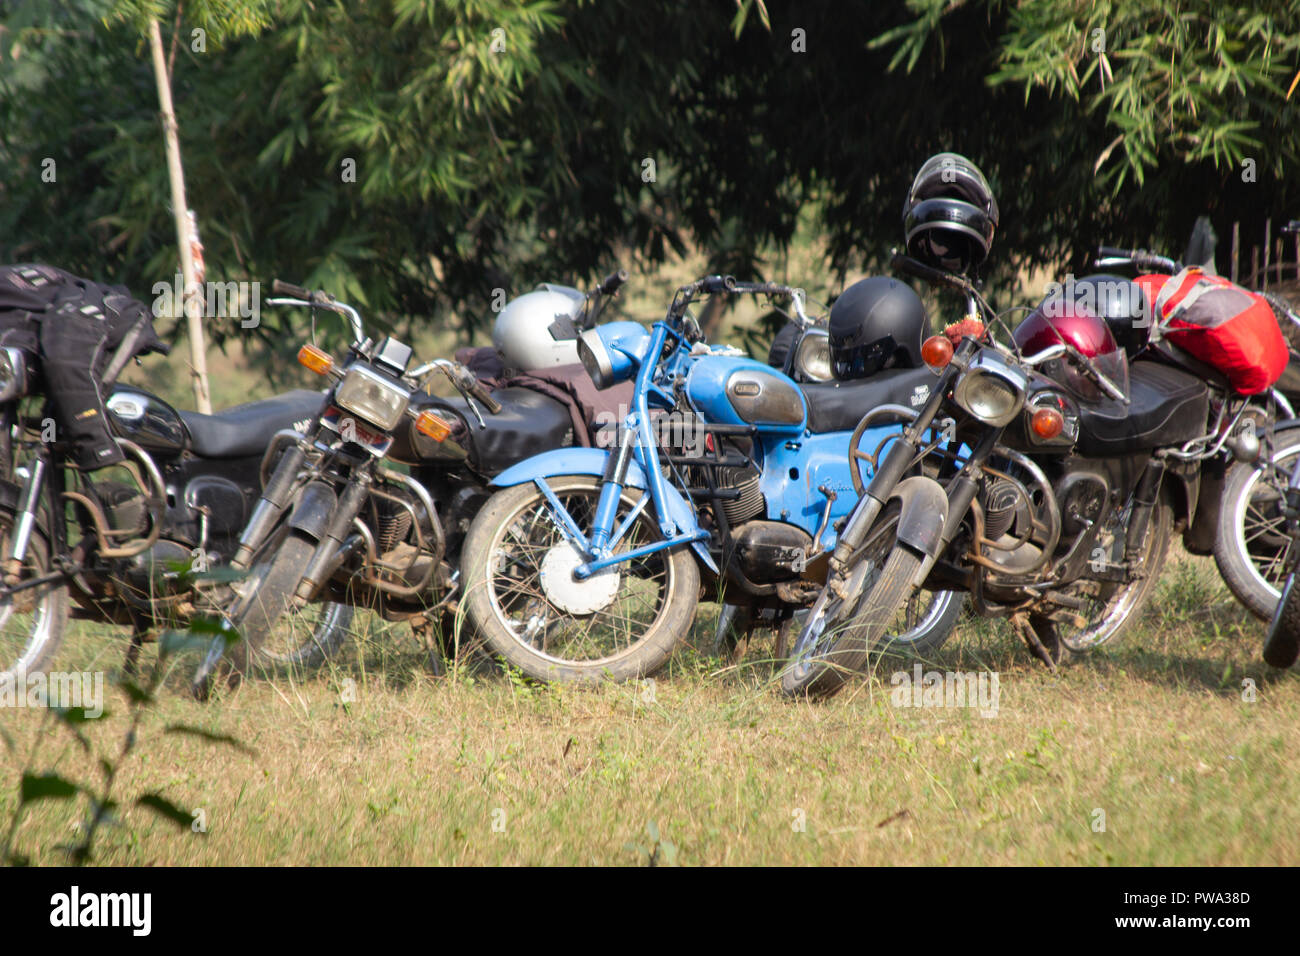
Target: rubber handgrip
[(1114, 252), (280, 287), (481, 393), (612, 282)]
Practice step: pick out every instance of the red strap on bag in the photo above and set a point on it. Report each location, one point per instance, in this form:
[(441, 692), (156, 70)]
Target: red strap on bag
[(1221, 324)]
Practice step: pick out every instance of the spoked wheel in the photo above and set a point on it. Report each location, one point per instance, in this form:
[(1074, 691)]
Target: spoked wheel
[(307, 637), (1252, 547), (32, 621), (1107, 606), (522, 597), (874, 608)]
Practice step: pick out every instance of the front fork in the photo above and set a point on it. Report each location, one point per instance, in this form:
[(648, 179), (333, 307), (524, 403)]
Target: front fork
[(274, 499), (324, 561), (25, 519), (611, 491)]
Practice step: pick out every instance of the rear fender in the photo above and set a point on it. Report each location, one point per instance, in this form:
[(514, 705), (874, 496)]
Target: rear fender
[(593, 461)]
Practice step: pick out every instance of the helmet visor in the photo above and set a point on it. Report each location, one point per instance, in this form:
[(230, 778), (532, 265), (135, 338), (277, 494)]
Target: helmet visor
[(854, 362)]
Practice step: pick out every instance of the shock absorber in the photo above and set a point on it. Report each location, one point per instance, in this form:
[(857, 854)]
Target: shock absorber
[(1144, 502)]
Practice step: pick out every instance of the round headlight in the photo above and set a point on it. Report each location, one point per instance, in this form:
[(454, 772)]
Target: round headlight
[(988, 397), (595, 359), (812, 359)]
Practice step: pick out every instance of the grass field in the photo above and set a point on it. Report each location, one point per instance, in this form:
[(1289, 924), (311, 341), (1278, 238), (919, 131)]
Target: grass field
[(372, 761)]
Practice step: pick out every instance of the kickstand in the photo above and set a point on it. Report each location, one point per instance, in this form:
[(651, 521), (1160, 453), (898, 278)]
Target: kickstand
[(139, 631), (1040, 634), (423, 630)]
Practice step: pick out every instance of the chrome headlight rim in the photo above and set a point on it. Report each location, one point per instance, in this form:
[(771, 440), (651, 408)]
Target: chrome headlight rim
[(384, 418), (813, 344), (13, 374), (595, 358), (985, 369)]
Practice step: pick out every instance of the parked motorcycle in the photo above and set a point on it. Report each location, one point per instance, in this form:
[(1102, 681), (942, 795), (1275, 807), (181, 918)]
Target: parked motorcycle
[(1238, 517), (337, 519), (128, 545), (1074, 465), (586, 564)]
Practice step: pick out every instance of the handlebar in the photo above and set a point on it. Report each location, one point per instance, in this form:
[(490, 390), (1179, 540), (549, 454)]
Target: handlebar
[(611, 283), (1141, 258), (919, 270), (316, 299), (462, 378)]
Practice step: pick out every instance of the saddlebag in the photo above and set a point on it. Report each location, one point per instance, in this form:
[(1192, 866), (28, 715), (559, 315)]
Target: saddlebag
[(1220, 323)]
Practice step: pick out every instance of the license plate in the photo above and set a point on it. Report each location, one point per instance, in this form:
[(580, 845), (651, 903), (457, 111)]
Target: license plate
[(351, 429)]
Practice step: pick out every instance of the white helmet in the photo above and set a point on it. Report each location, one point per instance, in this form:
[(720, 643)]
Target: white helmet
[(538, 330)]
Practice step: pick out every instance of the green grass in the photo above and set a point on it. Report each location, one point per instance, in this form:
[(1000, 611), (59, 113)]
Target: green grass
[(1153, 731)]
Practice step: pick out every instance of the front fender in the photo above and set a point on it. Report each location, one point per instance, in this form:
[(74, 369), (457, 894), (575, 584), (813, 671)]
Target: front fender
[(924, 514), (593, 461), (312, 511)]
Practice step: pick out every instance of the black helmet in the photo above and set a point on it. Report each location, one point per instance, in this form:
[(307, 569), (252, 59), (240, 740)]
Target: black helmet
[(876, 323), (950, 214)]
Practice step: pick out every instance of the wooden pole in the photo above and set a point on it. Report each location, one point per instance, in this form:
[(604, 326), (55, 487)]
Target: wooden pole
[(193, 309), (1268, 240), (1236, 242)]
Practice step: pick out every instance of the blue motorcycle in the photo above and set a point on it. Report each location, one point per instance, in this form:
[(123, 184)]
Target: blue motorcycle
[(586, 565)]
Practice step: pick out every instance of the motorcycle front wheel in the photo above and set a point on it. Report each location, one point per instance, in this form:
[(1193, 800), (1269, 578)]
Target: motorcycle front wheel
[(1282, 646), (854, 615), (525, 603), (33, 620)]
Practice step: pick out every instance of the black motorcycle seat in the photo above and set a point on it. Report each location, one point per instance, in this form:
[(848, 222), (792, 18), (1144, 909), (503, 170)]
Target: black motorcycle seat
[(528, 424), (839, 406), (246, 430), (1167, 407)]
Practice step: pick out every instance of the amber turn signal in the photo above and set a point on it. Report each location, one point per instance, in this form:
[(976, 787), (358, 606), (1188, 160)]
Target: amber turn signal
[(936, 352), (315, 359), (1047, 423), (427, 423)]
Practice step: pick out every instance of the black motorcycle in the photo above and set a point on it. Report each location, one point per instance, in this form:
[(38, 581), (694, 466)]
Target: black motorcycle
[(128, 545), (1056, 494), (368, 502)]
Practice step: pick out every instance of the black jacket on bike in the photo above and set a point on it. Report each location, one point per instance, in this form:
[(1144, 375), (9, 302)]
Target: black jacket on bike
[(81, 333)]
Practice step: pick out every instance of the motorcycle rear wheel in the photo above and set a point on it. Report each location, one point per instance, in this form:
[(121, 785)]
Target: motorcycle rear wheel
[(1251, 545), (1120, 602)]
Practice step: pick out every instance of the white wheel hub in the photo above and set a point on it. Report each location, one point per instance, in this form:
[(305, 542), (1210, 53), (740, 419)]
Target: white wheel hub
[(568, 593)]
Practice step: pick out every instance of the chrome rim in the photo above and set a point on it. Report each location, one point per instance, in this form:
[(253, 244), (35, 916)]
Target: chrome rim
[(1259, 528)]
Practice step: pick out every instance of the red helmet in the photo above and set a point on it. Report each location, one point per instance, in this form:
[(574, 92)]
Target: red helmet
[(1059, 321)]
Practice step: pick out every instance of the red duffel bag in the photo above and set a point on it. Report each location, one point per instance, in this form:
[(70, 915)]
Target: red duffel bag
[(1220, 323)]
